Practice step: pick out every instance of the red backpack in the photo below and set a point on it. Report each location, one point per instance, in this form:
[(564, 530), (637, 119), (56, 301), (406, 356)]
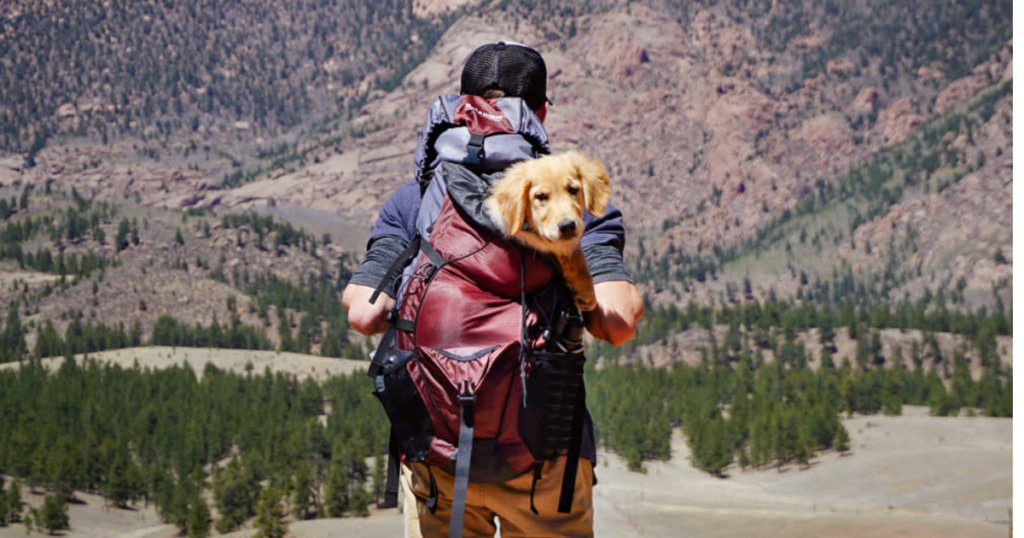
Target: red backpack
[(481, 369)]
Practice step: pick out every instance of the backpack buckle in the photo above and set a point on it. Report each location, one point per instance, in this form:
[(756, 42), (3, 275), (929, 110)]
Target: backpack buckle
[(475, 149), (467, 396)]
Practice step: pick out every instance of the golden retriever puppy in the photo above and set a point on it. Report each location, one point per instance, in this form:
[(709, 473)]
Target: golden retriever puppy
[(540, 204)]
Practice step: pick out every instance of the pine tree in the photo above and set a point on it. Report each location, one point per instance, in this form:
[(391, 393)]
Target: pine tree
[(892, 399), (939, 401), (24, 201), (53, 516), (163, 489), (842, 440), (783, 436), (12, 339), (37, 474), (116, 488), (336, 495), (379, 473), (962, 386), (13, 504), (234, 492), (303, 486), (714, 452), (732, 338), (270, 514), (826, 330), (802, 450), (121, 239), (64, 462), (359, 500), (821, 429), (3, 504), (198, 524)]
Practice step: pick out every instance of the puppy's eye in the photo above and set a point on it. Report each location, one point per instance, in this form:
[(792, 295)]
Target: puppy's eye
[(573, 189), (542, 196)]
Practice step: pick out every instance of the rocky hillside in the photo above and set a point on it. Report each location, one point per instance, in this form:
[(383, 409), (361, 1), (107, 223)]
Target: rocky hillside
[(98, 273), (164, 70), (717, 120)]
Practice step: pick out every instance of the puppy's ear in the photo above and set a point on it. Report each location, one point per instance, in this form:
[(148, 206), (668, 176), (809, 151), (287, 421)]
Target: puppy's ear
[(510, 196), (596, 187)]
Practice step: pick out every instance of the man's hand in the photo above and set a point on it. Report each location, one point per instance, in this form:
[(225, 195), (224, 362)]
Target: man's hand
[(364, 317), (619, 308)]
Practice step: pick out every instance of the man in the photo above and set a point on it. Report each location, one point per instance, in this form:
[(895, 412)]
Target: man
[(502, 70)]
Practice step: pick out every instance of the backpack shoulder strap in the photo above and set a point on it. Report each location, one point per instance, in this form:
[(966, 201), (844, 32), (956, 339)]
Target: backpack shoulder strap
[(432, 196)]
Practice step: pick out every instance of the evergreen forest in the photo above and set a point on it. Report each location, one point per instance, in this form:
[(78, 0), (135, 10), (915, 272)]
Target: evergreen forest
[(261, 87), (140, 436)]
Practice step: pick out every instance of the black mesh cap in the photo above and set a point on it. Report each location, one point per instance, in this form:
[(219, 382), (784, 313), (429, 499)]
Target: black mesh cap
[(517, 69)]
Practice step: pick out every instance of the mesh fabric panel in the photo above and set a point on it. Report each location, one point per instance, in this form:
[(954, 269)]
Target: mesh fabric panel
[(517, 69)]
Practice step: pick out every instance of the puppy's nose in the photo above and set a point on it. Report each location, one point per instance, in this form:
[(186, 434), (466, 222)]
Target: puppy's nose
[(567, 228)]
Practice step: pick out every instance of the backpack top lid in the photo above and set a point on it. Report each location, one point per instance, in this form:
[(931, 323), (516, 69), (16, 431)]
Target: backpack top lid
[(487, 135)]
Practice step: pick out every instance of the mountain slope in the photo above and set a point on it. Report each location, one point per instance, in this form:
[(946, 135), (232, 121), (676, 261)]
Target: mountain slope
[(715, 119)]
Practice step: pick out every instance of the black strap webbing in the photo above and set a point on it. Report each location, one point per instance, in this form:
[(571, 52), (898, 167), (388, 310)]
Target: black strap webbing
[(573, 461), (462, 460), (537, 467), (405, 325), (433, 254), (396, 267), (432, 497), (377, 360), (391, 482), (475, 149)]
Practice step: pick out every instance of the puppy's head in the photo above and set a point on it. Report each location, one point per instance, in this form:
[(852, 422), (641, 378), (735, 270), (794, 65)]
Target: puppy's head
[(547, 196)]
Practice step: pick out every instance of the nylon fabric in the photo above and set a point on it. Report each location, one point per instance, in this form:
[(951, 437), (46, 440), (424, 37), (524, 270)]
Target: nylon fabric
[(442, 139), (472, 304)]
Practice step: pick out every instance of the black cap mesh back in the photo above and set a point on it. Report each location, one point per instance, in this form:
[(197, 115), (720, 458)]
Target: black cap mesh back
[(518, 70)]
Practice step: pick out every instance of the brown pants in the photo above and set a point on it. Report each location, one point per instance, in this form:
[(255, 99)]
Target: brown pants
[(507, 502)]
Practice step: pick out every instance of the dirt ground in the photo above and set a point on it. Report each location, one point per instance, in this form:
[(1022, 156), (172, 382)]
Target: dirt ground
[(911, 476), (302, 366), (10, 277)]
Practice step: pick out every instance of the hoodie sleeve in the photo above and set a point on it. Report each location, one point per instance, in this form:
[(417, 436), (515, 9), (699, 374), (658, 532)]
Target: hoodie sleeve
[(395, 227), (603, 241)]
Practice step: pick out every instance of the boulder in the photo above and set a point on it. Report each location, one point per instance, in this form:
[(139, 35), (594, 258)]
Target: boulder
[(866, 100), (897, 121)]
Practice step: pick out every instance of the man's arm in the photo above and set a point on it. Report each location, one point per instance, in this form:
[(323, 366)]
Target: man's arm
[(619, 305), (364, 317), (619, 308), (395, 226)]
